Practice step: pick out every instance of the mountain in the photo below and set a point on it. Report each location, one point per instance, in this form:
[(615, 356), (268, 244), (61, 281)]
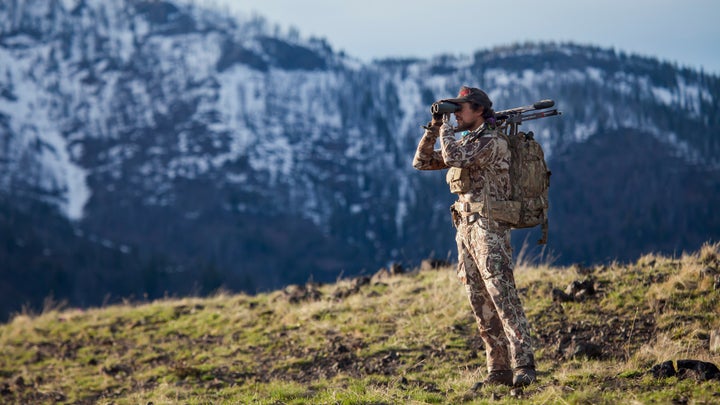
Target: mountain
[(217, 150)]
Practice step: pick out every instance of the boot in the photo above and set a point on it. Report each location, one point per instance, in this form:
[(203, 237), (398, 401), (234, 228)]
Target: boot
[(496, 377), (524, 376)]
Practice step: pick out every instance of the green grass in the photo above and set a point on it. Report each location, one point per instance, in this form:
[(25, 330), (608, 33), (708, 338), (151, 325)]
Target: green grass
[(403, 339)]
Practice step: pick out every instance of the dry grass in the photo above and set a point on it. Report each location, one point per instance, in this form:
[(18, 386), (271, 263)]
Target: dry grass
[(402, 339)]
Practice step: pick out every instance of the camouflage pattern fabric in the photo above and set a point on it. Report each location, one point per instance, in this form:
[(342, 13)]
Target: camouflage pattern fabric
[(484, 250), (486, 157), (485, 267), (426, 157)]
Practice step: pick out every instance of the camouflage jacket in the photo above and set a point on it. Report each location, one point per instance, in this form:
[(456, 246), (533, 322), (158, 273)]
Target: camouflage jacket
[(485, 155)]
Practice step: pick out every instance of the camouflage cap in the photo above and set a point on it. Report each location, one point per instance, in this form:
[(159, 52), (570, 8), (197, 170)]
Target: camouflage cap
[(472, 94)]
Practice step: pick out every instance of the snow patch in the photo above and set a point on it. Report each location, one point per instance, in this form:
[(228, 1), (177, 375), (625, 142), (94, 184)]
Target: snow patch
[(663, 95), (274, 155), (583, 131), (356, 208), (594, 74), (39, 138)]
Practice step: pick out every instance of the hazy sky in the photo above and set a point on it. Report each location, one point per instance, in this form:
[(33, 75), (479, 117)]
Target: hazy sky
[(683, 31)]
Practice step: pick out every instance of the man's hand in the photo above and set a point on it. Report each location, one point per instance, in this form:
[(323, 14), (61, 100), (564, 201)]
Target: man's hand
[(446, 129), (437, 120)]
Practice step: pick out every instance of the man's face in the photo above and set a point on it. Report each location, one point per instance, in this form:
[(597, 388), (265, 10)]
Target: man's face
[(467, 118)]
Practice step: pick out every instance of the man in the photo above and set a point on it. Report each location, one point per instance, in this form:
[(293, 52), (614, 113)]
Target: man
[(479, 174)]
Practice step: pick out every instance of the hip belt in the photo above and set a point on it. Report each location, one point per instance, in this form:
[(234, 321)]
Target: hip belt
[(501, 211)]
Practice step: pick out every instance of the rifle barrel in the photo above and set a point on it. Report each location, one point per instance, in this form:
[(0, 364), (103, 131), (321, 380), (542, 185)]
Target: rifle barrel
[(519, 118), (541, 114)]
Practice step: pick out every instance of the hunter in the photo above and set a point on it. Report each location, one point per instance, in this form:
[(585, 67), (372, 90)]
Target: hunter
[(478, 173)]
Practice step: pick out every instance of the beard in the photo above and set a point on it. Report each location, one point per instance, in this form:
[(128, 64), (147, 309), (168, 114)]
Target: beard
[(464, 126), (467, 126)]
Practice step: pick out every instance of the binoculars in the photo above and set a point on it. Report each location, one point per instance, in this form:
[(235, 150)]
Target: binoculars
[(444, 107)]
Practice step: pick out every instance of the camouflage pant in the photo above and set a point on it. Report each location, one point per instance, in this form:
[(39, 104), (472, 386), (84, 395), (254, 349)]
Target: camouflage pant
[(485, 267)]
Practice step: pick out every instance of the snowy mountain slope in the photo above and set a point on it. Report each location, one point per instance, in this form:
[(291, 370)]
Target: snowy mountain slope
[(226, 144)]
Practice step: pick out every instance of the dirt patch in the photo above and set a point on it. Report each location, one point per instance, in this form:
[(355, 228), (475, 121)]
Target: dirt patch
[(608, 336), (341, 354)]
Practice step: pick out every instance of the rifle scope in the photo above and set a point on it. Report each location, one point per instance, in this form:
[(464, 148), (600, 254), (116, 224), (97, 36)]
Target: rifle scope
[(539, 105)]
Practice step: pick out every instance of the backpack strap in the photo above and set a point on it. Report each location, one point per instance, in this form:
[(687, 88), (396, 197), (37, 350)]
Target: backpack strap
[(543, 240)]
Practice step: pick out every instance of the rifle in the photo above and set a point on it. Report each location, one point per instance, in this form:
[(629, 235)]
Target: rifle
[(509, 120), (506, 120)]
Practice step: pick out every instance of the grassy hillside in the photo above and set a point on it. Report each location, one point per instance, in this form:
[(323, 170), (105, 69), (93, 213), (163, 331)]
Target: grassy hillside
[(396, 339)]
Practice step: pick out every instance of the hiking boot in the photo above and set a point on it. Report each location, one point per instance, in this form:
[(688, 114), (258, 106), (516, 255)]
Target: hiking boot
[(524, 376), (497, 377)]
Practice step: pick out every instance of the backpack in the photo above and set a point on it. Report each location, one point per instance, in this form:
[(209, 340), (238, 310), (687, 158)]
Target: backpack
[(529, 180)]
